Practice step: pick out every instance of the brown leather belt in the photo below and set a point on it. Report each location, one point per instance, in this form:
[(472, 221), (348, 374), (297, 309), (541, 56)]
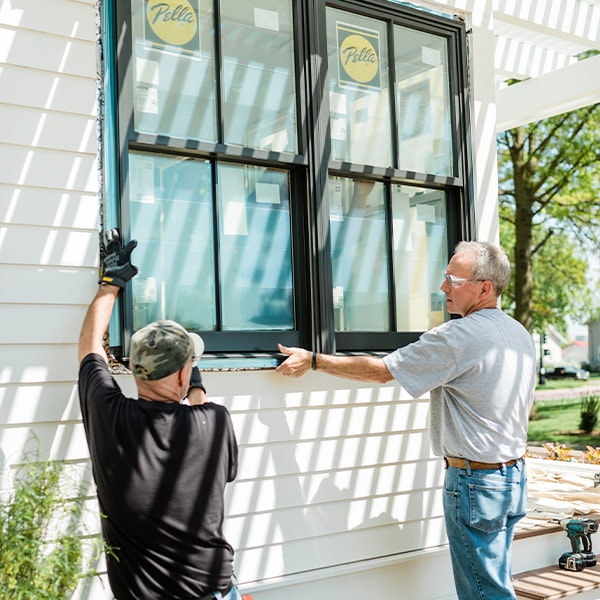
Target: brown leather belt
[(461, 463)]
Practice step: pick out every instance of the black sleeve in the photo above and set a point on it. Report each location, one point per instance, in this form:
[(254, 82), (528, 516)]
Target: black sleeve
[(233, 448)]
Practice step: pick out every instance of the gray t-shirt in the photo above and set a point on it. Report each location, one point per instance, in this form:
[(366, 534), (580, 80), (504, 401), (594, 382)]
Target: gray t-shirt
[(481, 372)]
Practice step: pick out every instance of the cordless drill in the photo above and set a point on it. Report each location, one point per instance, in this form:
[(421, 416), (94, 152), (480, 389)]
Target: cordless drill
[(579, 532)]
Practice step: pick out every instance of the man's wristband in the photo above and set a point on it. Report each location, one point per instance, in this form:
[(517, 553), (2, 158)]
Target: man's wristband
[(314, 361)]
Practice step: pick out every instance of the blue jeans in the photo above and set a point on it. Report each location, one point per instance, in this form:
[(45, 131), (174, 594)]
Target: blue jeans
[(481, 509), (233, 594)]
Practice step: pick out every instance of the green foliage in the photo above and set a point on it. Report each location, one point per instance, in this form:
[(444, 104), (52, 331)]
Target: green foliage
[(557, 422), (590, 405), (549, 209), (41, 548), (560, 286)]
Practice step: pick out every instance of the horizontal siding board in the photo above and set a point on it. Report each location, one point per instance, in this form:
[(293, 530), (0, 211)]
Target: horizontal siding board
[(51, 363), (333, 421), (55, 440), (52, 285), (48, 403), (65, 171), (48, 91), (39, 50), (45, 207), (317, 519), (27, 245), (325, 455), (269, 390), (285, 491), (40, 324), (276, 560), (46, 129), (64, 18)]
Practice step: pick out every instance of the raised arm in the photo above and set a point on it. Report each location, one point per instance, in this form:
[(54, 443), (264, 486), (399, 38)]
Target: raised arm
[(117, 270), (96, 322)]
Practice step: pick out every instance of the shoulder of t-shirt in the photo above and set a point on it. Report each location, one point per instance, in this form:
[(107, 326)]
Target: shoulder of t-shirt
[(93, 357)]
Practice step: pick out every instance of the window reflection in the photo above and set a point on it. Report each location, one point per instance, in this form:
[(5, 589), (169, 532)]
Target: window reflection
[(422, 102), (255, 248), (172, 219), (358, 254), (420, 255), (173, 67), (360, 121), (258, 74)]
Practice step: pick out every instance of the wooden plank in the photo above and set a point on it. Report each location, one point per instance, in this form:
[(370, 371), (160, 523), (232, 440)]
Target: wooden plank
[(552, 583)]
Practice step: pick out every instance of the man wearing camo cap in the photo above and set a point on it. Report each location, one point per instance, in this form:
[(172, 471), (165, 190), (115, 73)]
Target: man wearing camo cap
[(160, 467)]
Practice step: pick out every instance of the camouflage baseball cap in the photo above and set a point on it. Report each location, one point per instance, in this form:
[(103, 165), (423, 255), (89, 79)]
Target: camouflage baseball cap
[(160, 349)]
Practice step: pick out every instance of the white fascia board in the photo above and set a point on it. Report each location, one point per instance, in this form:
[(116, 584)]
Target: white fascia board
[(554, 93)]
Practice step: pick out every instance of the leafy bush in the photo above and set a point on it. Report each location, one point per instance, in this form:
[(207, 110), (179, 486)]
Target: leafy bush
[(590, 405), (557, 451), (41, 547), (591, 455)]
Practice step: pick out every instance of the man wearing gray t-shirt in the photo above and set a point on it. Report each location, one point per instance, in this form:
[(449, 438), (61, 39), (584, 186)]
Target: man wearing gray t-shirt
[(480, 371)]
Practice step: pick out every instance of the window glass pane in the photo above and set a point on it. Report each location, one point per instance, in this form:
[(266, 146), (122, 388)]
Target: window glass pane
[(360, 122), (172, 219), (173, 66), (422, 102), (358, 255), (259, 91), (420, 256), (255, 248)]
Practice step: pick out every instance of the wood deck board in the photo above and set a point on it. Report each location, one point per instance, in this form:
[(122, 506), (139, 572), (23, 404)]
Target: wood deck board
[(552, 583)]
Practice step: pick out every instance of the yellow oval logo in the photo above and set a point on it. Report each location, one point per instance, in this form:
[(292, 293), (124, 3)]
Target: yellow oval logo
[(359, 58), (172, 21)]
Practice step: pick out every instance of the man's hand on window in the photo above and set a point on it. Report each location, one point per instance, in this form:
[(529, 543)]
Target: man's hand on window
[(117, 269)]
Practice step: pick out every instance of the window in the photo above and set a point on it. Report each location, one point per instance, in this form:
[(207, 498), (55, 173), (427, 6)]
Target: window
[(287, 182), (359, 95), (173, 61), (423, 102), (259, 84)]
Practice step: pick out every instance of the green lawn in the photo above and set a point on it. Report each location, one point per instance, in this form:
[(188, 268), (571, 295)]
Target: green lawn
[(558, 421), (562, 384)]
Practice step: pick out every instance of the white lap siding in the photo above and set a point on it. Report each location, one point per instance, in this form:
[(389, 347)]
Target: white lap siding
[(337, 491)]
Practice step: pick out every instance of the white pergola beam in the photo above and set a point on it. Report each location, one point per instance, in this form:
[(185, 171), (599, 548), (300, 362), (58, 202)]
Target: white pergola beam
[(522, 60), (573, 21), (554, 93)]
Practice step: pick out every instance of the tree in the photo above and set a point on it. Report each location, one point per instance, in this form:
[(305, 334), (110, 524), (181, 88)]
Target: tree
[(549, 177)]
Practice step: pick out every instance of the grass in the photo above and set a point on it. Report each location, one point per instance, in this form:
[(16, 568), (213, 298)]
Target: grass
[(558, 421), (567, 384)]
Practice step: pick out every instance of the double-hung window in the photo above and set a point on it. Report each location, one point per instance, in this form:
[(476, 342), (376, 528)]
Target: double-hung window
[(294, 171)]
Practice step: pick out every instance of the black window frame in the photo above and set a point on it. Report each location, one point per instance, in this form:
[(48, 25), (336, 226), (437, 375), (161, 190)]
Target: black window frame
[(309, 171)]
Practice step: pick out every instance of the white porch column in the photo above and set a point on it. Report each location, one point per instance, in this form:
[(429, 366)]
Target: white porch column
[(483, 103)]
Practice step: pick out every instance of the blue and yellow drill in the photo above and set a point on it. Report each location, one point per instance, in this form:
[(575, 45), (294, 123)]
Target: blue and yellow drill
[(579, 532)]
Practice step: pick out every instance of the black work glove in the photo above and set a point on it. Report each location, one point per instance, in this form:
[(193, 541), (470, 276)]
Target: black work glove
[(196, 379), (116, 261)]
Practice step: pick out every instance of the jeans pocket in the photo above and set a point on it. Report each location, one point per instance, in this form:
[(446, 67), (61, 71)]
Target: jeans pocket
[(489, 506)]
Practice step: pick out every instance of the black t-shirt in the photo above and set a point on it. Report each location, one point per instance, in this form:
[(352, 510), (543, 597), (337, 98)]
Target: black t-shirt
[(160, 469)]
